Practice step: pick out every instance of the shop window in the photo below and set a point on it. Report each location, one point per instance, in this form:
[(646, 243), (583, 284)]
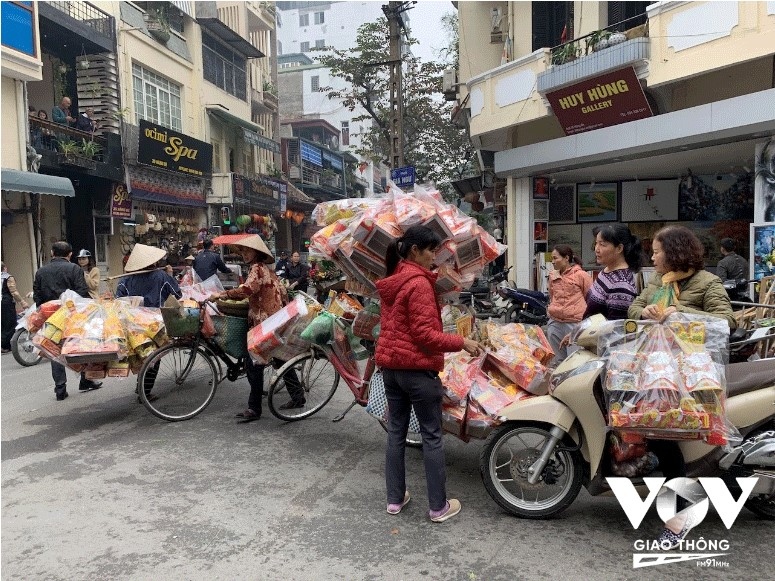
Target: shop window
[(303, 19), (304, 47), (320, 17), (156, 99), (223, 67)]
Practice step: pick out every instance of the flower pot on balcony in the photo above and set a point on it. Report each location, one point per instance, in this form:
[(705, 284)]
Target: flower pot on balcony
[(160, 34), (616, 38), (77, 161)]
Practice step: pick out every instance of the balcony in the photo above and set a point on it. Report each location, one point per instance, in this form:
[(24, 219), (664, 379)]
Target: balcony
[(96, 27), (63, 149), (314, 169), (261, 15), (263, 102)]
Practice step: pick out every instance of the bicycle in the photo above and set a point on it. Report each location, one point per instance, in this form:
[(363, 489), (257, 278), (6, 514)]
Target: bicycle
[(319, 371), (185, 373)]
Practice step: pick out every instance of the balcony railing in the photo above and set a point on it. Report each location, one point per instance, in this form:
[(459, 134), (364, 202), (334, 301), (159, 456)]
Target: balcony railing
[(49, 136), (597, 40), (89, 14)]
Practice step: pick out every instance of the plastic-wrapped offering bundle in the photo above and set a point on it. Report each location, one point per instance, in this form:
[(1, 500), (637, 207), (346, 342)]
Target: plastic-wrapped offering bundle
[(667, 380)]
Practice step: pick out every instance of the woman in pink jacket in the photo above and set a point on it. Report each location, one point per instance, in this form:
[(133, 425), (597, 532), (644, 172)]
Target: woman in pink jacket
[(568, 287)]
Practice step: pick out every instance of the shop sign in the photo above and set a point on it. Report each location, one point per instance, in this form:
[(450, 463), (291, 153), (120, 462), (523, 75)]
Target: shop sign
[(120, 202), (403, 176), (164, 148), (603, 101), (258, 194), (254, 138)]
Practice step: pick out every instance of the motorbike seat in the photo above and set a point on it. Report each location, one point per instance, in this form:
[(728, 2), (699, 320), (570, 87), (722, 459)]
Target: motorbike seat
[(535, 294), (749, 376), (478, 290)]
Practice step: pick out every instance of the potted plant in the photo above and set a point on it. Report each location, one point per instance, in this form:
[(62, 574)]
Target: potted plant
[(158, 25), (90, 149), (71, 153), (596, 41), (565, 53)]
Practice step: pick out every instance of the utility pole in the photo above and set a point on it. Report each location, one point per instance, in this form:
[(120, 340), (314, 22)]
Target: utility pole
[(393, 12)]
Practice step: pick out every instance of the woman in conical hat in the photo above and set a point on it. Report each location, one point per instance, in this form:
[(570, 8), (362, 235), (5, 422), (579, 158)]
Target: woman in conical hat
[(266, 295), (153, 284)]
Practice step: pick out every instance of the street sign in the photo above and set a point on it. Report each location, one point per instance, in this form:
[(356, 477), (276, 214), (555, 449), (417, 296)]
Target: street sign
[(403, 176)]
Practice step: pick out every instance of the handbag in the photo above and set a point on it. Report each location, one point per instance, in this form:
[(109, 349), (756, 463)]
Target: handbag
[(377, 405)]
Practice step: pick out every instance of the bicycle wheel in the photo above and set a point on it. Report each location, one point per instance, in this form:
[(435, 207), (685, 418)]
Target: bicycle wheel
[(180, 381), (318, 380)]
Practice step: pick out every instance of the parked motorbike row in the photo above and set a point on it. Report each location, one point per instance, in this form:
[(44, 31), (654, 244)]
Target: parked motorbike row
[(498, 298)]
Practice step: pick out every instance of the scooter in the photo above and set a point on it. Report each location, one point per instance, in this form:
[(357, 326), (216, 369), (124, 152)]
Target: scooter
[(486, 301), (737, 290), (535, 464), (23, 350), (525, 305)]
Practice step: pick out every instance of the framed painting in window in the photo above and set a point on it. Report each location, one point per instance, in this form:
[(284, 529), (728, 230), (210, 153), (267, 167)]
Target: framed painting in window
[(597, 202)]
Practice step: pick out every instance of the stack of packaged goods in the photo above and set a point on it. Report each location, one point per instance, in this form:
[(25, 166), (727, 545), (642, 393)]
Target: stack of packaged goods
[(100, 338), (667, 380), (280, 335), (478, 389), (356, 234)]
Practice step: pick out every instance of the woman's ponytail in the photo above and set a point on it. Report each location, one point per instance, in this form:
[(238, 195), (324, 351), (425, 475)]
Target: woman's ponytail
[(420, 236)]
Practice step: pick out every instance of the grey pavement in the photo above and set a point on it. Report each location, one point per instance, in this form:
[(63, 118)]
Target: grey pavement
[(95, 487)]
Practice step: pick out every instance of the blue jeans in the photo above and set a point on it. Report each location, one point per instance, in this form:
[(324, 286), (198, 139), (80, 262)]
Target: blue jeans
[(423, 391)]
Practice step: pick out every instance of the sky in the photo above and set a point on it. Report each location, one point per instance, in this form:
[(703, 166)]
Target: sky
[(425, 20)]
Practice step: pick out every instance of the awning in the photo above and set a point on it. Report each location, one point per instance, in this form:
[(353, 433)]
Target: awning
[(215, 26), (233, 119), (468, 185), (35, 183)]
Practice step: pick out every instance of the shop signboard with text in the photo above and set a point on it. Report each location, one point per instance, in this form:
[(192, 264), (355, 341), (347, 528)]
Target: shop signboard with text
[(166, 149), (120, 202), (602, 101), (258, 194)]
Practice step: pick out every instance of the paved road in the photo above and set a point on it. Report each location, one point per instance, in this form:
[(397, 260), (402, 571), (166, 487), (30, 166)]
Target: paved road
[(96, 488)]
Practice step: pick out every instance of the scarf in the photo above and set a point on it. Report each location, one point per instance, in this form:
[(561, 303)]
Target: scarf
[(669, 292)]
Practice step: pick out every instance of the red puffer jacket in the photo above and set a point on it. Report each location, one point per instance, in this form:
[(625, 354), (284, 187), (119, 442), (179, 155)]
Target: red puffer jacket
[(411, 335)]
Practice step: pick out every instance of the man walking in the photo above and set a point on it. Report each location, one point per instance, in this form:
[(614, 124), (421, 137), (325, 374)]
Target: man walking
[(51, 281), (208, 262)]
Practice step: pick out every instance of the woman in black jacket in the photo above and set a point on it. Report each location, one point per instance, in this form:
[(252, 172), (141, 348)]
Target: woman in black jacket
[(297, 274)]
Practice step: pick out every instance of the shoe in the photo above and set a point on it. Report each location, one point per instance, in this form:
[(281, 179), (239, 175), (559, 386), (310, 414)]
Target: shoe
[(450, 510), (669, 540), (248, 416), (62, 396), (293, 405), (396, 508), (4, 351), (89, 385)]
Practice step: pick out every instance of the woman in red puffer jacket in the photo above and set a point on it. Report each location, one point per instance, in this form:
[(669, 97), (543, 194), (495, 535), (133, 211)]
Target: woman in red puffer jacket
[(410, 350)]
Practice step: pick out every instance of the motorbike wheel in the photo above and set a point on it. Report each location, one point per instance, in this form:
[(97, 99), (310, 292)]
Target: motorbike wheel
[(23, 350), (762, 505), (504, 463)]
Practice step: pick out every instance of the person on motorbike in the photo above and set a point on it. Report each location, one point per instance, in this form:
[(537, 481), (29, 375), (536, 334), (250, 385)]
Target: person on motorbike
[(680, 284), (11, 296), (621, 256), (568, 288), (410, 351)]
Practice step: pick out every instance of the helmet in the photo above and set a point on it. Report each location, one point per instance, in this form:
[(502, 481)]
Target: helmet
[(84, 254)]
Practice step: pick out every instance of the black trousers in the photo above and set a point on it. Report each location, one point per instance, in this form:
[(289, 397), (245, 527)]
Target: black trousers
[(8, 322), (256, 381)]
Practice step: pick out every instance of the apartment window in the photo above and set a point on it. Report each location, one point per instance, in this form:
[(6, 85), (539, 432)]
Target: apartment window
[(550, 19), (217, 159), (315, 83), (224, 67), (320, 17), (303, 19), (345, 133), (156, 99), (619, 11), (320, 43), (304, 47)]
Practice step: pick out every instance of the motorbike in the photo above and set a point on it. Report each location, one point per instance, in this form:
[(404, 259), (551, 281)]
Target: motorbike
[(535, 463), (737, 290), (23, 350), (484, 300), (525, 305)]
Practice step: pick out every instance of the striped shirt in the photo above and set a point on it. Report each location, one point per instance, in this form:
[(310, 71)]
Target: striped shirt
[(611, 294)]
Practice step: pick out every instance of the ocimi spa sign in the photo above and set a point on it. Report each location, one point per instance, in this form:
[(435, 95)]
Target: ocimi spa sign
[(166, 149), (602, 101)]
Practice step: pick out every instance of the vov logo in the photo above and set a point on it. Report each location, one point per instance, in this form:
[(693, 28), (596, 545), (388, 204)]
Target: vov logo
[(698, 496)]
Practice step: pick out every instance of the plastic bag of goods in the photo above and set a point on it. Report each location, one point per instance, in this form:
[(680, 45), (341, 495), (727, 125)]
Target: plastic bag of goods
[(453, 417), (202, 291), (93, 333), (292, 342), (478, 423), (267, 336), (666, 380), (457, 375), (366, 322), (345, 306)]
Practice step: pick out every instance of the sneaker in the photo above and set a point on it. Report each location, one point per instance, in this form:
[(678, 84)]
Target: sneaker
[(292, 405), (396, 508), (451, 509)]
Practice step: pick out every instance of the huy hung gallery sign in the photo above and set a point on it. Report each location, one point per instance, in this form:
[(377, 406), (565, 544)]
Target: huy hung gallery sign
[(609, 99), (166, 149)]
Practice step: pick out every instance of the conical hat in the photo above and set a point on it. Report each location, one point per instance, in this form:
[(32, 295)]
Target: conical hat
[(256, 243), (189, 257), (143, 256)]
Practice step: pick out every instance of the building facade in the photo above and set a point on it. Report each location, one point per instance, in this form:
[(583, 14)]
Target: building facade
[(645, 114)]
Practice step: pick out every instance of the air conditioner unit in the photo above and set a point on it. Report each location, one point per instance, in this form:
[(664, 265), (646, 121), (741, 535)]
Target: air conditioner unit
[(449, 81)]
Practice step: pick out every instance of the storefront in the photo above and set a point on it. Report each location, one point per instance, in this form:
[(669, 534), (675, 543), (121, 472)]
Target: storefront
[(164, 203)]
